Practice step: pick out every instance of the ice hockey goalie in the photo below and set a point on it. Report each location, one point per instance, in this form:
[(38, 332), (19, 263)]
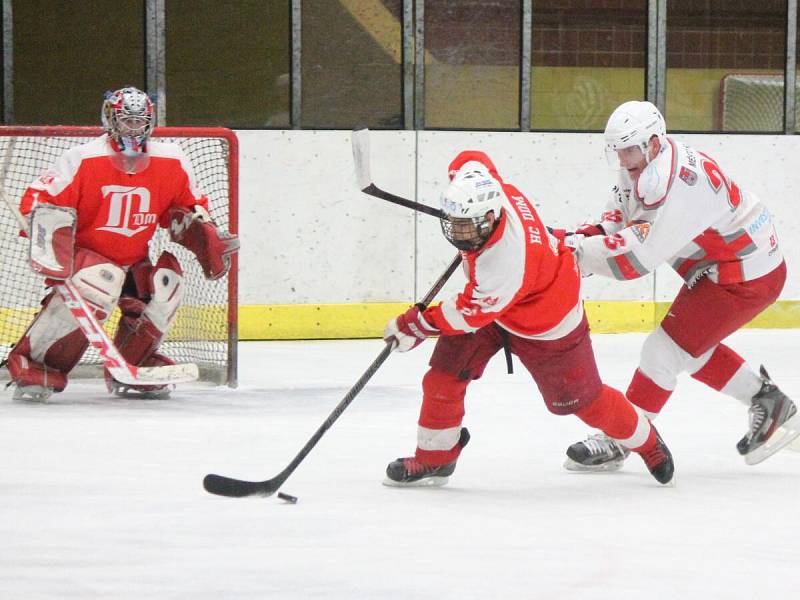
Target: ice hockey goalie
[(92, 215)]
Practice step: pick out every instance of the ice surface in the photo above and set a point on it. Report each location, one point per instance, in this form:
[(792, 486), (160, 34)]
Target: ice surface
[(102, 497)]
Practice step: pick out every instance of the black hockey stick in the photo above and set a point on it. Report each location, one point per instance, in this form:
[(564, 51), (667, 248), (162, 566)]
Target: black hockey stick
[(237, 488), (360, 140)]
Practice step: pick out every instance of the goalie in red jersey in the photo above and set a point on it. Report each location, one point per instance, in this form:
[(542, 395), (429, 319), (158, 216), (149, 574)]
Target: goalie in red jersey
[(522, 294), (93, 214)]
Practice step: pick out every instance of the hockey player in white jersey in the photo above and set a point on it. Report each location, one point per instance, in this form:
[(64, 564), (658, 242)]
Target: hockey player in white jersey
[(674, 204)]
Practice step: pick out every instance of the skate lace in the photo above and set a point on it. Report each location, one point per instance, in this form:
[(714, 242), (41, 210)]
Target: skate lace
[(758, 414), (412, 466), (654, 456), (598, 444)]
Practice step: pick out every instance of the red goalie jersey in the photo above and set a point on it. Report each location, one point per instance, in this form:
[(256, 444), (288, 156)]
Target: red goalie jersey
[(117, 212)]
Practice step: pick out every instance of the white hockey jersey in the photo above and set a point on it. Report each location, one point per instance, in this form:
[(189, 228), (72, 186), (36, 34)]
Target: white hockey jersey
[(685, 211)]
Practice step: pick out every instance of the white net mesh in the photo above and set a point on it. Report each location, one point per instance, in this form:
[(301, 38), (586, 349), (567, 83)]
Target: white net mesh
[(752, 102), (201, 333)]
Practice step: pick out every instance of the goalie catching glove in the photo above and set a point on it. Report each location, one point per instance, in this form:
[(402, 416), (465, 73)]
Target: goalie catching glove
[(408, 331), (194, 230)]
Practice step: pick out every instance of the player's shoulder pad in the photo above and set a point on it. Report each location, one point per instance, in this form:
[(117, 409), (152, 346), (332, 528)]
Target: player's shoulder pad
[(656, 180)]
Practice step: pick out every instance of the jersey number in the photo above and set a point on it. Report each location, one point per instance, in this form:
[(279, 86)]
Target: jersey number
[(717, 179)]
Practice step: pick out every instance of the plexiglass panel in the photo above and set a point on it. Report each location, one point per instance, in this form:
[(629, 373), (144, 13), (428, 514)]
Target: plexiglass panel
[(725, 65), (227, 63), (588, 57), (472, 64), (352, 57), (67, 54)]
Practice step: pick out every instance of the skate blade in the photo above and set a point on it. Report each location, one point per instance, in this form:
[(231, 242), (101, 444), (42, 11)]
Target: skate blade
[(424, 482), (785, 435), (608, 467), (32, 393), (133, 394)]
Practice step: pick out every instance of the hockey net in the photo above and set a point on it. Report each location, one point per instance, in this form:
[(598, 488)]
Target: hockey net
[(204, 331), (752, 102)]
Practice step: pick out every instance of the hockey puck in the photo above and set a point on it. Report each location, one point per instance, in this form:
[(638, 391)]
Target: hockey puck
[(287, 497)]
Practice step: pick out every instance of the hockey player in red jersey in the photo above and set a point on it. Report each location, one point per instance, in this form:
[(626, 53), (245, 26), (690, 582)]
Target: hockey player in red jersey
[(674, 204), (95, 210), (522, 293)]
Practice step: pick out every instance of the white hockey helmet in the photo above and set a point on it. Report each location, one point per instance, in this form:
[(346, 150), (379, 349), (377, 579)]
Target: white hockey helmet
[(471, 195), (633, 123), (128, 118)]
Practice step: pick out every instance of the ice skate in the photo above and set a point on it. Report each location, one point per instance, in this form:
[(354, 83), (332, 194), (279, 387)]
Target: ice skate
[(32, 393), (774, 423), (659, 460), (142, 392), (596, 454), (409, 472)]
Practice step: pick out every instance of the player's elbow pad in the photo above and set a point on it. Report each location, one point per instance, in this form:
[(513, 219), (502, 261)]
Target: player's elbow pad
[(212, 248)]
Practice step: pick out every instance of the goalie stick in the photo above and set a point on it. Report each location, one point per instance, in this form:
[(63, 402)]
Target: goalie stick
[(120, 369), (360, 141), (238, 488)]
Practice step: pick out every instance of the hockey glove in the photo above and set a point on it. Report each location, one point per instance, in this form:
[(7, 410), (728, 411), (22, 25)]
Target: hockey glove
[(572, 239), (407, 331), (194, 230)]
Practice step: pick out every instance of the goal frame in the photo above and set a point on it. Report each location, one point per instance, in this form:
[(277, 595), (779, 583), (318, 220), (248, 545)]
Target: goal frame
[(78, 131)]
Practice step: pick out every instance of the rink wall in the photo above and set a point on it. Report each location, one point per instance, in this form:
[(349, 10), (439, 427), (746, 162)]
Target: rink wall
[(319, 259)]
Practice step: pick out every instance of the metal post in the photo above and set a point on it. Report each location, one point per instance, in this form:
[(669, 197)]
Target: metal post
[(661, 67), (790, 79), (656, 85), (408, 64), (156, 64), (419, 65), (297, 88), (525, 66), (651, 84), (8, 63)]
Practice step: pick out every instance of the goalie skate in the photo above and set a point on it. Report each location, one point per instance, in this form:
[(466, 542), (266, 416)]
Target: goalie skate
[(774, 423), (32, 393), (409, 472), (596, 454)]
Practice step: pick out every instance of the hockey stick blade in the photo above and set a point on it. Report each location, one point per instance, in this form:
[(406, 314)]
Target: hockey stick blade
[(360, 141), (229, 487), (180, 373)]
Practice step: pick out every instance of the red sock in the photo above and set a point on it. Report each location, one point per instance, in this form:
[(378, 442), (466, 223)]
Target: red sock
[(644, 393), (720, 368)]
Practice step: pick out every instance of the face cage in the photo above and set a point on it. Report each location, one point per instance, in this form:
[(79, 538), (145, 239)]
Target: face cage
[(131, 140), (466, 234)]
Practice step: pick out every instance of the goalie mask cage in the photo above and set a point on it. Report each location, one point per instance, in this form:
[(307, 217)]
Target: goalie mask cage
[(205, 329)]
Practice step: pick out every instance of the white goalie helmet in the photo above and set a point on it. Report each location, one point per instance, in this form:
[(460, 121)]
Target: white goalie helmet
[(472, 193), (128, 119), (633, 123)]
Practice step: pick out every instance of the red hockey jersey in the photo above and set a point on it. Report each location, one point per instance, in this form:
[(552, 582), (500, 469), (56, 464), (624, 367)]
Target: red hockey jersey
[(519, 278), (117, 212)]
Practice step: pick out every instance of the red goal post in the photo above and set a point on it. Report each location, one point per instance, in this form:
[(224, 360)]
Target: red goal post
[(205, 331)]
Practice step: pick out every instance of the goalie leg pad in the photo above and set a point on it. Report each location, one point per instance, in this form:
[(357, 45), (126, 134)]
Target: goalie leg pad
[(49, 349), (99, 281), (147, 317)]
